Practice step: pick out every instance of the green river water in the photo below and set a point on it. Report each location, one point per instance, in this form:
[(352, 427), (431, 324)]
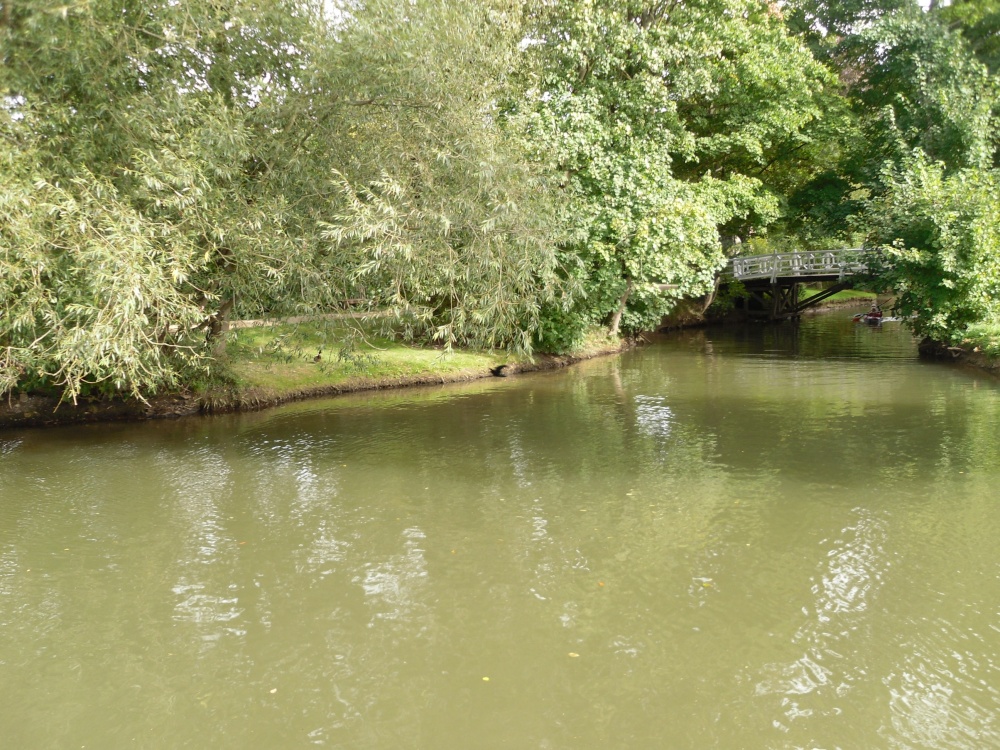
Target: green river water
[(771, 537)]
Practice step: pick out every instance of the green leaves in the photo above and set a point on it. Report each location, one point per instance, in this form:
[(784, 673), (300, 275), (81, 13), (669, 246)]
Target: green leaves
[(939, 236), (173, 165), (921, 87), (495, 174), (438, 213), (129, 215), (916, 178), (660, 120), (88, 296)]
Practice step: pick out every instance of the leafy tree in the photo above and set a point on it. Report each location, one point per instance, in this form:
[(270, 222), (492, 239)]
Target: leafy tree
[(171, 165), (825, 24), (939, 235), (979, 23), (130, 218), (920, 87), (437, 212), (913, 83), (916, 177), (660, 119)]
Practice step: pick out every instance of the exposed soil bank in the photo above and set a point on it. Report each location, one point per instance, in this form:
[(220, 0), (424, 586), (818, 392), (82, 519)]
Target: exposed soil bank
[(27, 410), (967, 356)]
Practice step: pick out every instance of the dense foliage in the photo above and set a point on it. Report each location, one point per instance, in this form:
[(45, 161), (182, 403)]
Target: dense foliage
[(498, 174), (659, 120), (912, 168), (935, 210), (939, 237), (168, 166), (132, 218)]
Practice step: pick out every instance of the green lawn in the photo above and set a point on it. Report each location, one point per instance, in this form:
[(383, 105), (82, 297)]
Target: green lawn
[(326, 354), (844, 296)]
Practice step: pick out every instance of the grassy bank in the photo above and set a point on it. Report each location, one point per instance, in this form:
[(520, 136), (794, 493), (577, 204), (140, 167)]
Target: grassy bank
[(980, 348), (307, 356), (274, 364), (339, 356)]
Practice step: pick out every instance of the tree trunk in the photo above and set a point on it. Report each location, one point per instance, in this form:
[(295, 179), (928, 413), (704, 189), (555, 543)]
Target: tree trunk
[(711, 297), (616, 319), (218, 324)]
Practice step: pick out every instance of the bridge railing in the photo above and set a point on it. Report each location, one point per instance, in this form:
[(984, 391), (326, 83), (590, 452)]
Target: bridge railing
[(843, 262)]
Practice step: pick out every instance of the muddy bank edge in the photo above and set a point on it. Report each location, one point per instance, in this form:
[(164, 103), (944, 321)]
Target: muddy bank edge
[(967, 356)]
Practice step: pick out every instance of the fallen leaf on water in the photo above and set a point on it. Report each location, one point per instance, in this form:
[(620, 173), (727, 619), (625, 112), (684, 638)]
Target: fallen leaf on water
[(486, 679), (573, 654), (600, 583), (274, 690)]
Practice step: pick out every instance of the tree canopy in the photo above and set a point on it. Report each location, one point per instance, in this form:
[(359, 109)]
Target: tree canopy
[(169, 166), (660, 120), (496, 174)]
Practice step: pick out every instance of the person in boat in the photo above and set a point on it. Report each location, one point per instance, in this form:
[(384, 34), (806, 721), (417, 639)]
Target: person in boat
[(875, 312)]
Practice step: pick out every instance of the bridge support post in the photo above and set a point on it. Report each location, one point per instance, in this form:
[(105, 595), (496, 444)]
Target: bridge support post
[(780, 300), (785, 297), (777, 301)]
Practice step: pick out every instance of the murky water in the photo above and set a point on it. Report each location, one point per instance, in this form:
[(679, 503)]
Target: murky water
[(759, 538)]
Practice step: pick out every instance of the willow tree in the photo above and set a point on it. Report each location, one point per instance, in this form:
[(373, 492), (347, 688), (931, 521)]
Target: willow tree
[(131, 218), (437, 213), (170, 165)]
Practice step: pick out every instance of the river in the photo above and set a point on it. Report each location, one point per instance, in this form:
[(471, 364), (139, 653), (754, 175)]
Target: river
[(761, 537)]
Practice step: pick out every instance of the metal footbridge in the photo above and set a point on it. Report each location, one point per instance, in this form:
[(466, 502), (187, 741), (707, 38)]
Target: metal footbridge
[(772, 281)]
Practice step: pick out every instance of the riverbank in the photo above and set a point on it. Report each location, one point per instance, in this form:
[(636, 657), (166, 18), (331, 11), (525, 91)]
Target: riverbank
[(268, 366), (278, 365), (969, 355)]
